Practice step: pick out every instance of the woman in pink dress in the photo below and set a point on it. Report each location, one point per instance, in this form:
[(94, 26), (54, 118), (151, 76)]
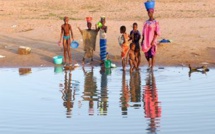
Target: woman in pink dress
[(149, 41)]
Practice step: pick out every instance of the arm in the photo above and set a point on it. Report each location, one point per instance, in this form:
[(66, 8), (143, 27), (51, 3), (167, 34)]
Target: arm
[(61, 34), (153, 40), (139, 36), (105, 28), (131, 36), (97, 28), (80, 30), (71, 33), (142, 39)]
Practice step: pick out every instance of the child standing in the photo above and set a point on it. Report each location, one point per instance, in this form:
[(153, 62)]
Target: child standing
[(132, 57), (135, 37), (103, 38), (151, 30), (124, 46), (89, 37), (67, 34)]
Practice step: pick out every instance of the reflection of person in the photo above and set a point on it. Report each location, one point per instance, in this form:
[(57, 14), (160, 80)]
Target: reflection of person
[(66, 31), (135, 37), (67, 95), (103, 38), (151, 103), (103, 102), (149, 41), (89, 40), (124, 46), (135, 87), (125, 95), (90, 88)]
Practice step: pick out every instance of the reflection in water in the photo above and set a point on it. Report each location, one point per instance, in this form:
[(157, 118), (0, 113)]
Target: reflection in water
[(68, 94), (90, 89), (135, 88), (103, 100), (58, 69), (125, 95), (151, 103), (24, 71)]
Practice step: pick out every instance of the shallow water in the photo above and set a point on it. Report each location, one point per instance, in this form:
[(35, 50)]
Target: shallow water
[(97, 101)]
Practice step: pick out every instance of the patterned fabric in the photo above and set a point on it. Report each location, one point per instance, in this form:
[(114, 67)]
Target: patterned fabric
[(149, 30), (103, 47)]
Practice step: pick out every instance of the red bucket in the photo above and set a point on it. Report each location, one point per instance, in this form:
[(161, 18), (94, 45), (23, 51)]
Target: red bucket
[(89, 19)]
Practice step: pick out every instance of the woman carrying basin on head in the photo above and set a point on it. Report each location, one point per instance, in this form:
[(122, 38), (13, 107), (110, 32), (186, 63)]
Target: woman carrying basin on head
[(150, 32)]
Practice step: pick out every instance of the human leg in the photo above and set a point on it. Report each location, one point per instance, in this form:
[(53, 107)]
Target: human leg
[(153, 61), (139, 59), (123, 64), (131, 65), (69, 51), (64, 51), (83, 60)]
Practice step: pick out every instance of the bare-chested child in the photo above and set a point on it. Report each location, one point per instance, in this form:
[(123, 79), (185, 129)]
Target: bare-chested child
[(132, 57), (67, 35)]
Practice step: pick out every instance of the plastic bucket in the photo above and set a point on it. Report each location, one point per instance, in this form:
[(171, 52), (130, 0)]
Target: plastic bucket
[(149, 4), (107, 63), (58, 59), (89, 19), (74, 44)]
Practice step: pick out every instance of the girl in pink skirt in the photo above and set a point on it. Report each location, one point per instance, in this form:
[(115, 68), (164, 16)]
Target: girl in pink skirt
[(149, 41)]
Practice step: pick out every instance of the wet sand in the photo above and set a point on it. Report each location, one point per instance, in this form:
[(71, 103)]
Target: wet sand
[(36, 24)]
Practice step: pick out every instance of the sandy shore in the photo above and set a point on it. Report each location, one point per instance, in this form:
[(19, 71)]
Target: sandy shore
[(36, 24)]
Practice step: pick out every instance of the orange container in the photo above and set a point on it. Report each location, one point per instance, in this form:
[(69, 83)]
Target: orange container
[(89, 19)]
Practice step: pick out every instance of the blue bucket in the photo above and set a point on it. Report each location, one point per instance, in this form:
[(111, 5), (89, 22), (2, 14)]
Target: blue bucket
[(149, 5), (58, 59), (74, 44)]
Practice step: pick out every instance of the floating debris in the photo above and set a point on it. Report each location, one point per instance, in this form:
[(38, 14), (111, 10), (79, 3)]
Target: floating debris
[(202, 69), (2, 56)]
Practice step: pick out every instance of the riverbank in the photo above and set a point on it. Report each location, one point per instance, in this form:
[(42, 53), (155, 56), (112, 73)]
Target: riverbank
[(36, 25)]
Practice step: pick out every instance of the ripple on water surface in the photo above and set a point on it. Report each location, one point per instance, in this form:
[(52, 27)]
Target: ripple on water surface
[(95, 100)]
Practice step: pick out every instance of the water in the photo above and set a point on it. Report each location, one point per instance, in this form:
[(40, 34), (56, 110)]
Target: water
[(93, 100)]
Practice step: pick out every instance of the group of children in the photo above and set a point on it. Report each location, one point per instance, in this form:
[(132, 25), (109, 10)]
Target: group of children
[(130, 51), (130, 43)]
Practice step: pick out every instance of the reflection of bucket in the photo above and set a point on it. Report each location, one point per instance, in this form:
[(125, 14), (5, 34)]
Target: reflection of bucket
[(58, 69), (149, 4), (108, 71), (107, 63)]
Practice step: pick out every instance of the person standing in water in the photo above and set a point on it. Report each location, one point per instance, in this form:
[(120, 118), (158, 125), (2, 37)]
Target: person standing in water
[(67, 35), (150, 32), (135, 37), (124, 46), (89, 37), (103, 38)]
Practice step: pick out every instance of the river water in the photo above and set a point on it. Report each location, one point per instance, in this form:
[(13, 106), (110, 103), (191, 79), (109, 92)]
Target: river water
[(98, 101)]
